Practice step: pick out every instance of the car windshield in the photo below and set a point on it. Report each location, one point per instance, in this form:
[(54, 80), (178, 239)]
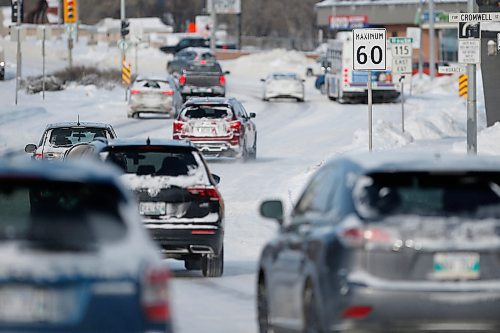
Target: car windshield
[(68, 136), (60, 215), (151, 84), (284, 77), (474, 195), (209, 67), (153, 161), (209, 112)]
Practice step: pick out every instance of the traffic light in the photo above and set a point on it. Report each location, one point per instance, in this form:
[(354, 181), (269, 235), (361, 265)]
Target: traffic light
[(70, 11), (14, 4), (125, 28)]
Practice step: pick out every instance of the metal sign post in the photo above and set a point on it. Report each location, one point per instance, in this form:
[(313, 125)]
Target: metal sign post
[(370, 112), (44, 36), (402, 80), (19, 56), (369, 54)]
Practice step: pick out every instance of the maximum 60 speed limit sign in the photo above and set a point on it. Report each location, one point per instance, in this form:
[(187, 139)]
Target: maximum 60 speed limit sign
[(369, 52)]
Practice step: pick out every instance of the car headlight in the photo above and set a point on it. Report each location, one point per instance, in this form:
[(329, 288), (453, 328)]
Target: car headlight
[(381, 77), (2, 63)]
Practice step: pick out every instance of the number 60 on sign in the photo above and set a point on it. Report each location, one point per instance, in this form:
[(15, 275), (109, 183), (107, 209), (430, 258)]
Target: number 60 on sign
[(369, 49)]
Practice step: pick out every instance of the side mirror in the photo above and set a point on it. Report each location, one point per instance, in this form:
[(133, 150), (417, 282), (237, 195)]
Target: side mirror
[(216, 178), (262, 80), (30, 148), (227, 72), (272, 209), (252, 115)]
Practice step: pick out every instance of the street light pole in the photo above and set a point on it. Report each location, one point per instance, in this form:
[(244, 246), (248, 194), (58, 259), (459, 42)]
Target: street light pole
[(471, 100), (432, 60), (19, 56)]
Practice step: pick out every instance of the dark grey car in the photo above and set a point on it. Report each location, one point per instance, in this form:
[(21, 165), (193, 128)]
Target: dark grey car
[(203, 79), (387, 243), (189, 55)]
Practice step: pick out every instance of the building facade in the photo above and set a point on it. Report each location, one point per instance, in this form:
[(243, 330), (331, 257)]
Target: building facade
[(396, 16)]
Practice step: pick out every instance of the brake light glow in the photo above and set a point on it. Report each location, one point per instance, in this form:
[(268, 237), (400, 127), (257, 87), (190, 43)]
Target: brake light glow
[(154, 294), (178, 126), (358, 237), (205, 192), (168, 92), (182, 80), (203, 62), (236, 126), (203, 232), (38, 156), (357, 312), (222, 80), (135, 92)]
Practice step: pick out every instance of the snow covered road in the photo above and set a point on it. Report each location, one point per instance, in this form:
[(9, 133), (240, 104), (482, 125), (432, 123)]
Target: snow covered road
[(294, 139)]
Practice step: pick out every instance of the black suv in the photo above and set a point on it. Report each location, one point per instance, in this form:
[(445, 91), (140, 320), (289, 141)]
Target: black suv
[(185, 43), (177, 195)]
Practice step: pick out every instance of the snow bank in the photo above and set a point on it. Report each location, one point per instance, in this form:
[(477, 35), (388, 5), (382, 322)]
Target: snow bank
[(262, 63)]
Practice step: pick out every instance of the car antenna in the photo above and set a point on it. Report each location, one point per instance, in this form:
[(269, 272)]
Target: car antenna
[(148, 141), (78, 120)]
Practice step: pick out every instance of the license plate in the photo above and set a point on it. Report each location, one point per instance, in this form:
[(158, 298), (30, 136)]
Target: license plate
[(26, 305), (205, 130), (452, 266), (203, 90), (152, 208)]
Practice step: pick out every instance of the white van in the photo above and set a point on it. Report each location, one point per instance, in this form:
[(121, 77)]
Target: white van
[(345, 85)]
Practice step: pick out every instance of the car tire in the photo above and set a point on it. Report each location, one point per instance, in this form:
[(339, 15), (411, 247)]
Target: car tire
[(263, 308), (253, 154), (192, 264), (212, 265), (309, 72), (310, 315), (300, 100)]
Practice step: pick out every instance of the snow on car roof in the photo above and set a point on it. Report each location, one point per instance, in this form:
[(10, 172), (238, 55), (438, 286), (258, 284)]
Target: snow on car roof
[(152, 142), (78, 124), (396, 161)]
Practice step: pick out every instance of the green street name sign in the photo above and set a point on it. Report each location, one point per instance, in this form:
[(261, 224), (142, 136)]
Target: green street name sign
[(400, 40)]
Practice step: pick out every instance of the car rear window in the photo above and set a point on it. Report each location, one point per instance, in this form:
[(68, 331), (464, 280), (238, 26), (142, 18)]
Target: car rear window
[(58, 215), (69, 136), (154, 161), (151, 84), (207, 112), (475, 195), (284, 76), (209, 67)]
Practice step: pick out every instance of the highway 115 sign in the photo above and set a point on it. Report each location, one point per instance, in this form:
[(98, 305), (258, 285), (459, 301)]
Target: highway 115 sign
[(369, 49)]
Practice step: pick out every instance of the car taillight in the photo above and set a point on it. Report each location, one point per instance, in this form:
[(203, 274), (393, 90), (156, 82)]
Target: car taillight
[(205, 192), (346, 75), (182, 80), (154, 294), (38, 156), (369, 237), (357, 312), (203, 62), (168, 92), (178, 126), (134, 92), (236, 126), (222, 80)]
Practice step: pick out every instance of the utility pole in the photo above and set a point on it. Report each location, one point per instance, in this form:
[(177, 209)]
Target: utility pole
[(432, 60), (421, 47), (471, 100), (213, 16), (19, 56)]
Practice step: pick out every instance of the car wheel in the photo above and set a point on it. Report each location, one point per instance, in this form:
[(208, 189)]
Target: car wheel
[(263, 308), (192, 264), (212, 265), (253, 154), (300, 100), (311, 320), (309, 72)]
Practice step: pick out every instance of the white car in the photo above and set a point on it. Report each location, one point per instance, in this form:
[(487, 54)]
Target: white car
[(59, 137), (283, 85), (154, 95)]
